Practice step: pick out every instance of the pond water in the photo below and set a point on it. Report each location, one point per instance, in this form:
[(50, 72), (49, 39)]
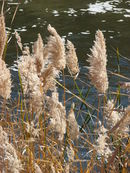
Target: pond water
[(76, 20)]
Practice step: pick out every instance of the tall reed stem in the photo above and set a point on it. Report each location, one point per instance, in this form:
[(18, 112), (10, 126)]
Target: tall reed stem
[(64, 87), (98, 110)]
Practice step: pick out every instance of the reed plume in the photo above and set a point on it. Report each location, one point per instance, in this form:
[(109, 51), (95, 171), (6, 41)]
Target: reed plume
[(47, 78), (102, 146), (2, 34), (9, 154), (19, 41), (72, 125), (56, 49), (57, 115), (113, 117), (124, 123), (5, 76), (72, 60), (98, 60), (5, 80), (31, 83), (40, 54), (46, 70)]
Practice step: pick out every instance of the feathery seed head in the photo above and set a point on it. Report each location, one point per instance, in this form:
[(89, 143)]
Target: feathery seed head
[(113, 116), (57, 115), (31, 83), (72, 60), (2, 34), (5, 80), (102, 146), (10, 154), (98, 60), (19, 42), (123, 128), (38, 50), (47, 78), (73, 125), (56, 49)]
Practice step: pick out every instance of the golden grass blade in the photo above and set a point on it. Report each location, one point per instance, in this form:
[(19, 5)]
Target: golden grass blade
[(15, 13), (83, 101), (2, 8), (119, 75)]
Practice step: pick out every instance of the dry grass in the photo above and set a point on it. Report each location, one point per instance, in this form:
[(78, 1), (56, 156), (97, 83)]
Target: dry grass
[(38, 134)]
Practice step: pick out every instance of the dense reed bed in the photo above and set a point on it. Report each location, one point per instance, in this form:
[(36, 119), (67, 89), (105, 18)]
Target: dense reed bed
[(40, 132)]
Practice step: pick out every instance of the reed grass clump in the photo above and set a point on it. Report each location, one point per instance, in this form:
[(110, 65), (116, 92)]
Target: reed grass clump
[(40, 132), (5, 76), (8, 155)]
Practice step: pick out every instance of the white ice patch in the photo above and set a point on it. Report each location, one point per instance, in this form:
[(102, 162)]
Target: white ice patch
[(100, 7), (103, 7)]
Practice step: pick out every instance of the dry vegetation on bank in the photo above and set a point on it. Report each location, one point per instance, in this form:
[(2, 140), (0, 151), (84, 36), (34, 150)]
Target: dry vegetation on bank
[(38, 134)]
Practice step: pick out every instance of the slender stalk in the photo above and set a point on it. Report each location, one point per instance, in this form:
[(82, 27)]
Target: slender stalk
[(64, 86), (104, 103), (118, 70), (98, 110)]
